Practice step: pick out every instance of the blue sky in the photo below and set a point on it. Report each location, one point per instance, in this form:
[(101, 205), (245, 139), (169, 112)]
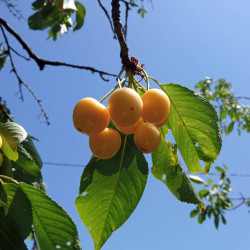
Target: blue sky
[(178, 41)]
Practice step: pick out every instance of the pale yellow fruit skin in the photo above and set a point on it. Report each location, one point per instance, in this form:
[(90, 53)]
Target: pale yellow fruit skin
[(106, 144), (163, 122), (1, 159), (125, 107), (147, 137), (1, 141), (156, 106), (90, 116), (131, 129)]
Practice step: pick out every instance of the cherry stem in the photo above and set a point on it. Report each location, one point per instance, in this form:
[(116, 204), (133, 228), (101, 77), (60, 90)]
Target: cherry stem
[(109, 93), (146, 75)]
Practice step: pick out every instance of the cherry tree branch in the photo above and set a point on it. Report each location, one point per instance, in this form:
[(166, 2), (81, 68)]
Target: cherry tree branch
[(20, 81), (126, 61), (43, 62)]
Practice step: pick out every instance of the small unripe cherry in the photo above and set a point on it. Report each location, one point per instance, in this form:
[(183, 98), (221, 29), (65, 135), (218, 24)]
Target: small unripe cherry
[(90, 116), (156, 106), (131, 129), (125, 107), (147, 138), (105, 144)]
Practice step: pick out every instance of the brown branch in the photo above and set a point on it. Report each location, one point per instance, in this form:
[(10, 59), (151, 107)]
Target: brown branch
[(107, 15), (242, 199), (242, 97), (126, 62), (17, 53), (126, 19), (20, 81), (42, 62)]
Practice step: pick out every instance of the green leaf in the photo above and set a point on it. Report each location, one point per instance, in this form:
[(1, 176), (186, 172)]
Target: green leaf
[(38, 4), (29, 146), (6, 168), (10, 190), (194, 213), (223, 219), (12, 135), (3, 196), (19, 214), (203, 193), (80, 16), (25, 168), (110, 191), (220, 170), (194, 124), (201, 218), (53, 226), (44, 18), (167, 169), (197, 180), (9, 237)]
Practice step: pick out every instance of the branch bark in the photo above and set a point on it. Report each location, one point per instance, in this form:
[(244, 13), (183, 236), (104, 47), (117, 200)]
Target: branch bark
[(42, 62), (126, 61)]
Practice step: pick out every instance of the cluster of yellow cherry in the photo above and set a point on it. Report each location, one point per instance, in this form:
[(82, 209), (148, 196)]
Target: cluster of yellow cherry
[(130, 113)]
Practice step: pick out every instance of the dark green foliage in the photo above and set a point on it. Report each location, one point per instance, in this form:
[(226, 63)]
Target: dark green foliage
[(3, 56), (53, 15), (217, 199), (232, 113), (23, 205)]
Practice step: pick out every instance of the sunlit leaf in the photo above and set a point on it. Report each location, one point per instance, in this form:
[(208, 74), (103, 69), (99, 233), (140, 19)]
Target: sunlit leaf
[(80, 16), (110, 191), (167, 169), (12, 135), (53, 226), (194, 124)]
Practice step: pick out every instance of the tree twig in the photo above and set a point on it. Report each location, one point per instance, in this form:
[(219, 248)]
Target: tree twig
[(131, 4), (242, 199), (42, 62), (242, 97), (17, 53), (20, 81), (126, 62), (107, 15)]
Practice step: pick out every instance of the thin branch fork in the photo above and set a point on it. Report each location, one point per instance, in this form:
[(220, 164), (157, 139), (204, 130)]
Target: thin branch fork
[(20, 81), (42, 62)]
